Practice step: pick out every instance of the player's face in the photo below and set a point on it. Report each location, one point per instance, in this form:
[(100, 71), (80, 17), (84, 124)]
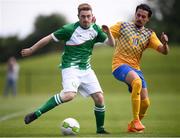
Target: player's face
[(141, 17), (85, 18)]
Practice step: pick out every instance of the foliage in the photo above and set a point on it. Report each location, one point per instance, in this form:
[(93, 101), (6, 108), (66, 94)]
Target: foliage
[(44, 25), (166, 18), (8, 47)]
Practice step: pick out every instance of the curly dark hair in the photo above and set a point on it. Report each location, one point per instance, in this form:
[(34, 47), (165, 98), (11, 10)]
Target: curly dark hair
[(146, 8)]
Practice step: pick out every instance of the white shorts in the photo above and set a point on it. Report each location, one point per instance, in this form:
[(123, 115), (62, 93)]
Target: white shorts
[(83, 81)]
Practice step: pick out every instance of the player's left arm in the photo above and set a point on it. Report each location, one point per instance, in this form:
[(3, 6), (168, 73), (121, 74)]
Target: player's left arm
[(163, 48), (110, 40)]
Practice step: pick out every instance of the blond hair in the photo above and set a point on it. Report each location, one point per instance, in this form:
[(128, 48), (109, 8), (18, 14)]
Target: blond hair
[(84, 6)]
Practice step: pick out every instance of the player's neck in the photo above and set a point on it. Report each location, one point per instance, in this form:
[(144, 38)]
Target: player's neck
[(84, 27), (139, 27)]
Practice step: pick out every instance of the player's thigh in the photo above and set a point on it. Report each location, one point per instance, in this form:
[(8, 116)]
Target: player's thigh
[(125, 73), (132, 75), (70, 80), (89, 84)]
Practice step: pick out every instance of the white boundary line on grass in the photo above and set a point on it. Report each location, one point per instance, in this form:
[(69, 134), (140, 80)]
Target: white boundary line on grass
[(13, 115)]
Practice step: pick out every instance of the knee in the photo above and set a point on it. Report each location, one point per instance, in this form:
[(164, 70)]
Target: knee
[(137, 83), (99, 99), (68, 96)]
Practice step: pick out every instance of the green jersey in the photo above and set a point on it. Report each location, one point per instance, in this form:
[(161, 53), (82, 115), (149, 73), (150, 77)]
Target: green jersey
[(79, 43)]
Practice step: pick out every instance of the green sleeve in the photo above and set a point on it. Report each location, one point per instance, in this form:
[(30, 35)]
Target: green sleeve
[(101, 37), (63, 33)]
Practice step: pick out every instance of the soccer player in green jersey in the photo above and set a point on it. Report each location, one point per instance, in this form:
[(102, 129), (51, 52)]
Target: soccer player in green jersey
[(77, 75)]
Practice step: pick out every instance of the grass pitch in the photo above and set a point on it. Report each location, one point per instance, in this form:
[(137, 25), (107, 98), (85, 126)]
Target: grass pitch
[(162, 75)]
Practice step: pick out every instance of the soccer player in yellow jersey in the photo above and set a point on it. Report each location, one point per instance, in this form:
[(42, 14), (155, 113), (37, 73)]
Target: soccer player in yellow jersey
[(132, 38)]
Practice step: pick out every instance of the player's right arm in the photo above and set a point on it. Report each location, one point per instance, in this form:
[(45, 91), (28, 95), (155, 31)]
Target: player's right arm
[(41, 43)]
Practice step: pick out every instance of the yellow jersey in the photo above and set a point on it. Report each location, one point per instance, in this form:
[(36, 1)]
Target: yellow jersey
[(130, 43)]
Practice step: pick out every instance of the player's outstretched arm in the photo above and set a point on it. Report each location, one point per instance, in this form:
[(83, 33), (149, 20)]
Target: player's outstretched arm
[(164, 49), (110, 41), (41, 43)]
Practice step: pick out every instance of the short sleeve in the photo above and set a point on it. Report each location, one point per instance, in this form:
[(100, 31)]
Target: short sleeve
[(115, 30), (154, 41), (61, 34)]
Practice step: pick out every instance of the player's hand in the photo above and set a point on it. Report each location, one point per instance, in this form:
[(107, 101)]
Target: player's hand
[(164, 38), (105, 29), (26, 52)]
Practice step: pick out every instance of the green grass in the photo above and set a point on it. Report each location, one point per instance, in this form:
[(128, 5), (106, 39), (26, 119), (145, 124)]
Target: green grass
[(40, 78)]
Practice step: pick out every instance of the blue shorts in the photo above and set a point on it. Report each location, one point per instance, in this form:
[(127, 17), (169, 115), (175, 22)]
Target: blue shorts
[(121, 72)]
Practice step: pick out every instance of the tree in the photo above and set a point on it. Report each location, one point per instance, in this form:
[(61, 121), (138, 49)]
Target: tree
[(166, 18), (44, 25), (9, 46)]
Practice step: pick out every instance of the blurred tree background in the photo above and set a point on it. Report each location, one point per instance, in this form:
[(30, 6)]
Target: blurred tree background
[(165, 19), (44, 25)]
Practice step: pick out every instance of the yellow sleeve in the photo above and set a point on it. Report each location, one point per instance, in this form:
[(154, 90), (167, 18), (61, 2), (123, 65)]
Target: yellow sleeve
[(154, 41), (115, 30)]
